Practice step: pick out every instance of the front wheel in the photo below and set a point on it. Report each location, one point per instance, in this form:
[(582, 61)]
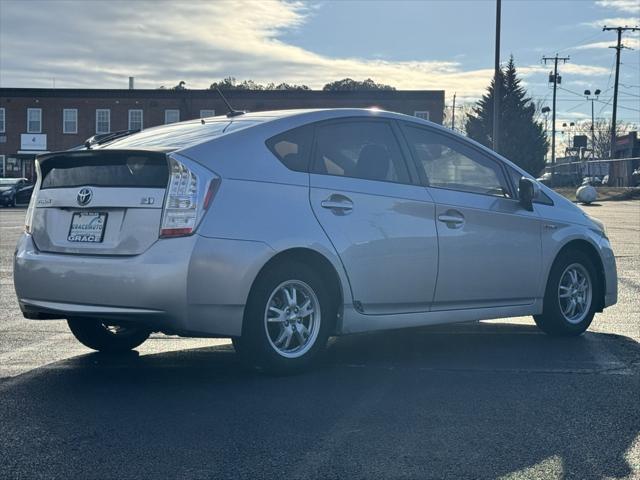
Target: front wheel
[(569, 302), (106, 337), (288, 319)]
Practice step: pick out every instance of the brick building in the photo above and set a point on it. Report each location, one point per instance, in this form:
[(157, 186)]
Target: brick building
[(627, 146), (34, 120)]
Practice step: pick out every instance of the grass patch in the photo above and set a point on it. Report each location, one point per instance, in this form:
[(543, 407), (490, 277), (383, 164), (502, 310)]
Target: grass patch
[(605, 194)]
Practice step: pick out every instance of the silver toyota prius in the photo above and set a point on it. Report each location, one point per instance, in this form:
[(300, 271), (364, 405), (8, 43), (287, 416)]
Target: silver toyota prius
[(280, 229)]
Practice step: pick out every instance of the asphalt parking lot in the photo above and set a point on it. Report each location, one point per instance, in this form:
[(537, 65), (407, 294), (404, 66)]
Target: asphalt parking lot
[(492, 399)]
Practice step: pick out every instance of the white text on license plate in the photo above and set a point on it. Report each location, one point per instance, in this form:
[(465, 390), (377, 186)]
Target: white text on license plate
[(87, 227)]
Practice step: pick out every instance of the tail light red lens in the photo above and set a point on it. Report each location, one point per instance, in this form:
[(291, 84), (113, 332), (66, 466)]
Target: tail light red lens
[(188, 196)]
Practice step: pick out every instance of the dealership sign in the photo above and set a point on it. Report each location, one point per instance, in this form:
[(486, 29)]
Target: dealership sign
[(33, 141)]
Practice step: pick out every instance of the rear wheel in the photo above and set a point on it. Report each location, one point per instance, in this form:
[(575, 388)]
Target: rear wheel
[(288, 319), (105, 337), (569, 302)]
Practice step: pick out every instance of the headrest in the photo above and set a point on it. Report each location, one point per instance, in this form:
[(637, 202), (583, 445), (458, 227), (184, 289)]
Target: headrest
[(373, 163)]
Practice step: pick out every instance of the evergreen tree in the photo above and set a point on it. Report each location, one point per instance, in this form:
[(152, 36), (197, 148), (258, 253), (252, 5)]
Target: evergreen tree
[(522, 140)]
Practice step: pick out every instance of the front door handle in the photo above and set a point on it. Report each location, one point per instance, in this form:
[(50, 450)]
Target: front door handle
[(338, 204), (452, 219)]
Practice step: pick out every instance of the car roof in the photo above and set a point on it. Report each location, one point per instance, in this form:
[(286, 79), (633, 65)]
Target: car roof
[(191, 133)]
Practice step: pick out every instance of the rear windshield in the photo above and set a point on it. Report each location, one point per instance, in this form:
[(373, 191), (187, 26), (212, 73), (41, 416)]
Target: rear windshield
[(105, 169)]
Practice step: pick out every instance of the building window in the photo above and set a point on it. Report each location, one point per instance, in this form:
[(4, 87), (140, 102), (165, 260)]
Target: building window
[(135, 119), (70, 120), (103, 120), (423, 114), (2, 166), (34, 120), (2, 123), (171, 116), (207, 113)]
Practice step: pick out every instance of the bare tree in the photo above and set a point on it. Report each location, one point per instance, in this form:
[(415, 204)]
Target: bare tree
[(460, 121), (601, 140)]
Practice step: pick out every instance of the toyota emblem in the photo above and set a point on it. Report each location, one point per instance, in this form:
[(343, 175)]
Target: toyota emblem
[(84, 196)]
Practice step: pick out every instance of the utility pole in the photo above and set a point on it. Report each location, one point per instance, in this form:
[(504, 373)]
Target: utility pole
[(618, 48), (453, 114), (496, 81), (555, 79)]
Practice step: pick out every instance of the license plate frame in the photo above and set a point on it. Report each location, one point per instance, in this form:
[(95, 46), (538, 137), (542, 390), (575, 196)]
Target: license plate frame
[(91, 236)]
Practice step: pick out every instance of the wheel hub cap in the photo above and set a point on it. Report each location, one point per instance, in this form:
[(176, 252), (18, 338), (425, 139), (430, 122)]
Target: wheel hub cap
[(574, 293), (292, 318)]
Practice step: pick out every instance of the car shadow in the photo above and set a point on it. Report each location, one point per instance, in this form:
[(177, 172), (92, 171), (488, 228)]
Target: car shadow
[(473, 401)]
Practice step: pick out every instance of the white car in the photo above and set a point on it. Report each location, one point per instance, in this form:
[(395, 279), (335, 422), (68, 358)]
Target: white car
[(280, 229)]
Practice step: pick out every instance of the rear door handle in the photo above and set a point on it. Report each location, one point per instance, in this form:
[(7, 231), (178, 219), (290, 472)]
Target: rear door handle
[(452, 219), (338, 204)]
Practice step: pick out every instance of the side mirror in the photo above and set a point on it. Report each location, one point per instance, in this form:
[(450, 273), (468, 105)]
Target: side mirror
[(527, 191)]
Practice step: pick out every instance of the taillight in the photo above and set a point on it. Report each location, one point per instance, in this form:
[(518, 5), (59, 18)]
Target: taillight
[(28, 221), (188, 196)]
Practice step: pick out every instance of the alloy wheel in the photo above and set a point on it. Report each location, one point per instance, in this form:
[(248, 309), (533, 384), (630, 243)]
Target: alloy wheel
[(575, 293), (292, 318)]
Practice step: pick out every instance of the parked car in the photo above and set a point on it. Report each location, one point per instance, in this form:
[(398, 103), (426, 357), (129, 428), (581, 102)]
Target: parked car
[(546, 179), (593, 181), (280, 229), (559, 179), (15, 191)]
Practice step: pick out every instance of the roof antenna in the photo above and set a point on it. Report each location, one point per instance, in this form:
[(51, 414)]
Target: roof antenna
[(230, 111)]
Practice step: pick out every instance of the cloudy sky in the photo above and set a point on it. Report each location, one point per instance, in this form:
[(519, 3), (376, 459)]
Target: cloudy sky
[(427, 44)]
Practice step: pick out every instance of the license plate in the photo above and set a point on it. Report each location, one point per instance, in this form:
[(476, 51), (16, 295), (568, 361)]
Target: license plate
[(87, 227)]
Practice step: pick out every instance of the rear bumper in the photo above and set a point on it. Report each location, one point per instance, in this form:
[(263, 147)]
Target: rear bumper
[(191, 285)]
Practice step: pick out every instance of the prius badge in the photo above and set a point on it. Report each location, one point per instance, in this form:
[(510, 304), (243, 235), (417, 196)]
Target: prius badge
[(84, 196)]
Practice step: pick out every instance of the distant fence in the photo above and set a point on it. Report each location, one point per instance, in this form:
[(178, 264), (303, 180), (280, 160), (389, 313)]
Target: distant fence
[(619, 172)]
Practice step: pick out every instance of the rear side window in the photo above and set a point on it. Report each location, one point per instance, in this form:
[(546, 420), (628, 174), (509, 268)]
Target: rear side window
[(293, 148), (361, 149), (106, 169)]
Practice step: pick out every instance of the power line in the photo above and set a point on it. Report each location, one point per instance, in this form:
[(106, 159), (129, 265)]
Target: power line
[(581, 42), (613, 64), (620, 106)]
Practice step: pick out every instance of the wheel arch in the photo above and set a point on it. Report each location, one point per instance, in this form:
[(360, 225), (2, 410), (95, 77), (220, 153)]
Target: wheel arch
[(590, 251), (319, 263)]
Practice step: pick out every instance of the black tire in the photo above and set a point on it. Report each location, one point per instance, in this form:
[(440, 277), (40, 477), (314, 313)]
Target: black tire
[(237, 344), (98, 335), (257, 348), (553, 321)]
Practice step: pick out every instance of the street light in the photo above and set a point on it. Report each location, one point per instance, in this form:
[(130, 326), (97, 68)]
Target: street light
[(545, 112), (568, 132), (587, 94)]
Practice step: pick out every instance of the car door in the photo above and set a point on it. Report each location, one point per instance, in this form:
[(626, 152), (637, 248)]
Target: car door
[(489, 246), (381, 224)]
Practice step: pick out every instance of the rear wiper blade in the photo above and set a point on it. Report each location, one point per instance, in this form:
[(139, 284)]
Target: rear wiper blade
[(101, 138)]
